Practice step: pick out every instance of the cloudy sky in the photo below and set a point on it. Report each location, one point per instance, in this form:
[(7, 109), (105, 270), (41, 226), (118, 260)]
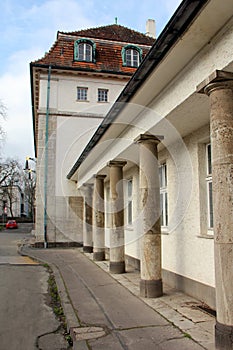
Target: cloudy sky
[(28, 29)]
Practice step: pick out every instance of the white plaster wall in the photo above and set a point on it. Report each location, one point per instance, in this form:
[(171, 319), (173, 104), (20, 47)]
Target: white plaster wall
[(73, 133), (217, 55), (63, 93), (53, 93), (187, 249), (132, 232), (72, 123)]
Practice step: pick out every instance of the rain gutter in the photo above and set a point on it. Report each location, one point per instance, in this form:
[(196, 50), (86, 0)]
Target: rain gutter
[(46, 159)]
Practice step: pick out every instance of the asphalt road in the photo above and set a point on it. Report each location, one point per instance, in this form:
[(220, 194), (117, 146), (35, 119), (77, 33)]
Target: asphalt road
[(27, 322)]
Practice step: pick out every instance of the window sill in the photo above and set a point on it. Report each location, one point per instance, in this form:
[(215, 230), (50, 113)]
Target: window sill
[(85, 61), (102, 102), (206, 236), (82, 101), (129, 227), (128, 66), (164, 231)]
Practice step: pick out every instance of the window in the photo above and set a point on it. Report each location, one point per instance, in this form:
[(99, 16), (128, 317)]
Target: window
[(209, 185), (82, 94), (129, 202), (131, 56), (84, 50), (102, 95), (163, 194), (108, 216)]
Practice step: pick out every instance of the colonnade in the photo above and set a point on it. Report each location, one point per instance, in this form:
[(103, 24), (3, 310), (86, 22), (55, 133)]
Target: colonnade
[(151, 280), (219, 88)]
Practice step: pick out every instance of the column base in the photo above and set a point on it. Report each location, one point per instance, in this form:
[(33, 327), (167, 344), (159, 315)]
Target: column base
[(151, 288), (87, 249), (99, 256), (223, 336), (117, 267)]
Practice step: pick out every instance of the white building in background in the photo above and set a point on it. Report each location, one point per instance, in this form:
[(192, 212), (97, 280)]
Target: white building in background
[(165, 160), (11, 201), (73, 87)]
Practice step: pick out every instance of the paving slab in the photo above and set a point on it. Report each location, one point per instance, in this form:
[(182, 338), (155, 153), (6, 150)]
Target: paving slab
[(52, 342), (108, 301), (24, 313)]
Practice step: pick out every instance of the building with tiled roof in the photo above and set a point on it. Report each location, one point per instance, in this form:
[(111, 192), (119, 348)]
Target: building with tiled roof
[(73, 87), (109, 42)]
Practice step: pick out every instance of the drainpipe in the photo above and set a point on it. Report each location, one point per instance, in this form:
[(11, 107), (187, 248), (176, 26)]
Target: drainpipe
[(46, 159)]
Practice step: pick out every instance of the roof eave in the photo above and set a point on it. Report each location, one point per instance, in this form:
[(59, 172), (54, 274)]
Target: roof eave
[(78, 69)]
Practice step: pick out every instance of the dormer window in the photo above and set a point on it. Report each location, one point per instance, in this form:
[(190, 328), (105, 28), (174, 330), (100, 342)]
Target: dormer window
[(131, 56), (84, 50)]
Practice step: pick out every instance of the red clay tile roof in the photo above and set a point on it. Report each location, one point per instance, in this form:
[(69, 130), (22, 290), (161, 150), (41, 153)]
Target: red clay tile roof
[(109, 42), (114, 32)]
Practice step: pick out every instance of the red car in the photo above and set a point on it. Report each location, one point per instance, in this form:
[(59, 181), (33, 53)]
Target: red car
[(11, 224)]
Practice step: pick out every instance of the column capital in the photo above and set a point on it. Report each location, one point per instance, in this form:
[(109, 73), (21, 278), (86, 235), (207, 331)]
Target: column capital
[(117, 163), (217, 80), (148, 138), (100, 177), (87, 189), (87, 186)]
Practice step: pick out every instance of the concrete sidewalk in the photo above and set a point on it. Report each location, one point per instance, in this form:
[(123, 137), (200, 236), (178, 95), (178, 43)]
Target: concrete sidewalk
[(106, 312)]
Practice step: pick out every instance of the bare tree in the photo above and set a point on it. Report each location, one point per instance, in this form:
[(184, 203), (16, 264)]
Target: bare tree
[(2, 116), (29, 192), (10, 183)]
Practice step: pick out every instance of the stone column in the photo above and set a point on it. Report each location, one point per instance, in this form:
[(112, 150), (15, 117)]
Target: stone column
[(87, 228), (98, 219), (117, 248), (219, 87), (151, 276)]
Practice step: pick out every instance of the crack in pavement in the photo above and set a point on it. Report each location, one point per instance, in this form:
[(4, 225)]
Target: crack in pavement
[(52, 340)]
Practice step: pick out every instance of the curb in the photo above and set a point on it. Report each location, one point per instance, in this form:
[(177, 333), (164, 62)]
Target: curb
[(71, 317)]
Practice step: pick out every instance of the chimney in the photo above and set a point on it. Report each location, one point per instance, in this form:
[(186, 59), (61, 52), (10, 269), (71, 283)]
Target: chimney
[(150, 28)]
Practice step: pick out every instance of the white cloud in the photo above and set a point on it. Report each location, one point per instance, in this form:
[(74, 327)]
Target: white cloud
[(27, 31), (15, 93), (30, 44)]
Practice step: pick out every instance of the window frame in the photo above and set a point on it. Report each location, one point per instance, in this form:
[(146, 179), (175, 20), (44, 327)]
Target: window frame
[(80, 93), (163, 195), (129, 202), (108, 214), (85, 43), (209, 187), (132, 49), (104, 94)]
